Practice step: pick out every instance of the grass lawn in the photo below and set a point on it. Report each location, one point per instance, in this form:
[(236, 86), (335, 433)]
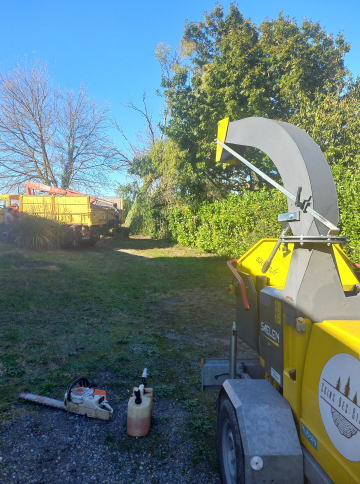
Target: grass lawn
[(108, 311)]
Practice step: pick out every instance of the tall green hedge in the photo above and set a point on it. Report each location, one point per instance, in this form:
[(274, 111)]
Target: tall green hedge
[(231, 226), (348, 191)]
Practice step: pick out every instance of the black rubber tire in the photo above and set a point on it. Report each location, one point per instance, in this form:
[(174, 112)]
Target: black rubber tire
[(230, 448), (89, 242), (93, 241), (5, 236)]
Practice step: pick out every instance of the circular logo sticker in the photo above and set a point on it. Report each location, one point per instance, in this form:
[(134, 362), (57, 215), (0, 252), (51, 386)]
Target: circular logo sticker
[(339, 403)]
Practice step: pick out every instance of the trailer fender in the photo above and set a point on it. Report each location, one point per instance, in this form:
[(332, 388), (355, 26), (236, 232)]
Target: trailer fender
[(269, 442)]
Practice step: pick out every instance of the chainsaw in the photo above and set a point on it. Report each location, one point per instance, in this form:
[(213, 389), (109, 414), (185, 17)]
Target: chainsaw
[(81, 397)]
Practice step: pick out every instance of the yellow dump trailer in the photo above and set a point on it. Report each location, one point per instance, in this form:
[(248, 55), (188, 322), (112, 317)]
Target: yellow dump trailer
[(69, 210), (87, 221)]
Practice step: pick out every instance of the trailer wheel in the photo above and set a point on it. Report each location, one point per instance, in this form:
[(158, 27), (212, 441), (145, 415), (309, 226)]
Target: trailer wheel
[(230, 449)]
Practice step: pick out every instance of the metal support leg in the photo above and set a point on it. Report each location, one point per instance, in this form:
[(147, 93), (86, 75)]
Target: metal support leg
[(233, 352)]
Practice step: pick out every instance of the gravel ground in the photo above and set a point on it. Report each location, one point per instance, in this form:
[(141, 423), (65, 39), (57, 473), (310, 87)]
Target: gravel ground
[(44, 445)]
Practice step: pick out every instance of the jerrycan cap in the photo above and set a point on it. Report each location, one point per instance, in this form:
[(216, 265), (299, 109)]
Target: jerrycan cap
[(138, 399)]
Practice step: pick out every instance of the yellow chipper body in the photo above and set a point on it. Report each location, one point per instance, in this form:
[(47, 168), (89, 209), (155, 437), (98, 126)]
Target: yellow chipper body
[(292, 414)]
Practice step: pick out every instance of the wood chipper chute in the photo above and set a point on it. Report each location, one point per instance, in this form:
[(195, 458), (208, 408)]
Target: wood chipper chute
[(293, 412)]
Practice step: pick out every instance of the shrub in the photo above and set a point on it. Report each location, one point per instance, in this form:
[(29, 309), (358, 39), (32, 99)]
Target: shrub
[(348, 190), (231, 226), (148, 216), (34, 232)]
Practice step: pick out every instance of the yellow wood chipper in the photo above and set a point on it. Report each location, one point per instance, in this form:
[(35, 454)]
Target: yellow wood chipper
[(291, 415)]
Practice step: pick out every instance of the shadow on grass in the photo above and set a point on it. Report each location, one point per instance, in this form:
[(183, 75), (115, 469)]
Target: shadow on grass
[(143, 243)]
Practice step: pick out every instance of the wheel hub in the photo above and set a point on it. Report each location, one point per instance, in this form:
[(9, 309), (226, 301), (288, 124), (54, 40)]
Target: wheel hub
[(229, 454)]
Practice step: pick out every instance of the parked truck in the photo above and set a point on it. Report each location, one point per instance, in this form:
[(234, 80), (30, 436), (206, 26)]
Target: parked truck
[(87, 216), (292, 414)]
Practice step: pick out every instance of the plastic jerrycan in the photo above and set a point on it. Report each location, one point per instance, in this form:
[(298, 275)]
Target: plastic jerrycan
[(138, 414)]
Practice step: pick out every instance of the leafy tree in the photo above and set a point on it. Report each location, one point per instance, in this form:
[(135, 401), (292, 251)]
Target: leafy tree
[(128, 192), (229, 67), (332, 119)]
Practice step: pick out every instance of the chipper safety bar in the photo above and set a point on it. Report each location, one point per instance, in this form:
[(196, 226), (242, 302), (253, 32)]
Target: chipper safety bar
[(293, 411)]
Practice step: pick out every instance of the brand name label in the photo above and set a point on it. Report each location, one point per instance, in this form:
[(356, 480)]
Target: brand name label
[(274, 335)]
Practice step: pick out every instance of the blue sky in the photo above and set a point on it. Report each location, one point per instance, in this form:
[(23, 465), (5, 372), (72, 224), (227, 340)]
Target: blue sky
[(110, 45)]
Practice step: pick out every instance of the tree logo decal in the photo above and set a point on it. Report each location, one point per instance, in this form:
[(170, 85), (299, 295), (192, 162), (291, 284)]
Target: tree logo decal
[(338, 403)]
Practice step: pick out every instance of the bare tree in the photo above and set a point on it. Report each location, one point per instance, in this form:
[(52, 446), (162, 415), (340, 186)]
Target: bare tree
[(27, 126), (82, 146), (143, 141), (46, 136)]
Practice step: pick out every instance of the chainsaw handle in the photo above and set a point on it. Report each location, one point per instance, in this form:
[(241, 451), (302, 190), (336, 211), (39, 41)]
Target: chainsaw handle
[(242, 284), (82, 381), (106, 406)]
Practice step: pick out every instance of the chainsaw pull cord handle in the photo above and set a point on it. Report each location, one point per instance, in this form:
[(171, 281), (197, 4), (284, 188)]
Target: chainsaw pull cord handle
[(242, 284), (82, 381)]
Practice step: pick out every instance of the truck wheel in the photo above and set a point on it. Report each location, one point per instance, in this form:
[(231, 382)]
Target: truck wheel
[(93, 239), (5, 237), (230, 449)]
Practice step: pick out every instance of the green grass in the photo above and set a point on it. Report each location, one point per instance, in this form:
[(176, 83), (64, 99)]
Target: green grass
[(118, 307)]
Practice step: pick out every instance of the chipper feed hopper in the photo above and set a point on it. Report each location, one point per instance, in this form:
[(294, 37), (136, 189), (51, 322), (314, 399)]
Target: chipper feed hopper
[(292, 414)]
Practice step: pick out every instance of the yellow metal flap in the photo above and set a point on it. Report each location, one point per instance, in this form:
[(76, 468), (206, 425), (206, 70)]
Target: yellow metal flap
[(345, 267), (221, 136)]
